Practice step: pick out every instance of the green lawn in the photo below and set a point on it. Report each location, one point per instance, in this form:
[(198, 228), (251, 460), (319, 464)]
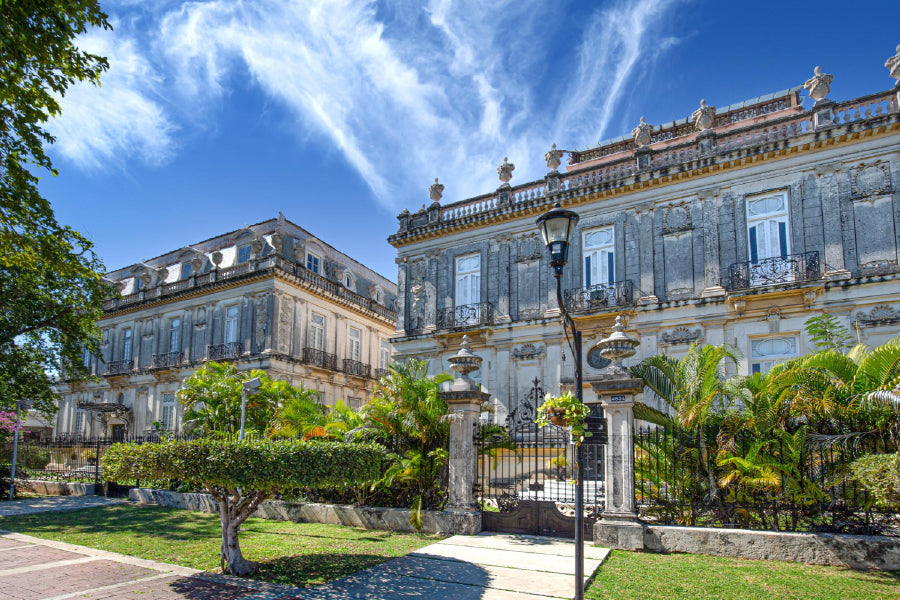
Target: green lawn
[(639, 576), (295, 553), (311, 554)]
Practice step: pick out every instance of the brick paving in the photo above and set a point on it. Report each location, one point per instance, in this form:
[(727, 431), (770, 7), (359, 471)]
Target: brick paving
[(36, 569)]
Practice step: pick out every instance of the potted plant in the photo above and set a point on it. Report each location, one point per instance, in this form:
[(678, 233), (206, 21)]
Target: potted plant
[(565, 411)]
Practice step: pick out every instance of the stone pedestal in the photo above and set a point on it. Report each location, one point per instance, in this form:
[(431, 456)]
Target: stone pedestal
[(642, 157), (707, 141), (465, 408), (823, 114)]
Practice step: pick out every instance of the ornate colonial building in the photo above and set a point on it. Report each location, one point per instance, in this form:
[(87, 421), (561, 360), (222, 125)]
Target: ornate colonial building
[(270, 296), (733, 225)]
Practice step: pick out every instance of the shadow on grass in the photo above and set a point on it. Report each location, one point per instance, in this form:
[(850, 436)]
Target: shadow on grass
[(195, 588), (315, 569), (365, 536)]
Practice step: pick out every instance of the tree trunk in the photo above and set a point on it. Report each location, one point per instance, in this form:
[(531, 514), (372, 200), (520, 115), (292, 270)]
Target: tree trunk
[(233, 561)]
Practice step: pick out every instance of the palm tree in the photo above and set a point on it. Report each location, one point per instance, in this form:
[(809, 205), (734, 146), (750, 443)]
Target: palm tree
[(299, 412)]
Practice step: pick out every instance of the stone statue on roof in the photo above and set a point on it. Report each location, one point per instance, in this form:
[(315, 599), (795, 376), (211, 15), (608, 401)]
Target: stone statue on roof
[(893, 64), (553, 157), (818, 85), (436, 191), (641, 134), (704, 117), (505, 170)]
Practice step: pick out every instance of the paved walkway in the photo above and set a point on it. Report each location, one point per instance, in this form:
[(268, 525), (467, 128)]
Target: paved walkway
[(483, 567), (29, 506)]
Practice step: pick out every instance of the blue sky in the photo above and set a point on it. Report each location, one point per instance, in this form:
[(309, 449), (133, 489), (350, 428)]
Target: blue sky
[(340, 113)]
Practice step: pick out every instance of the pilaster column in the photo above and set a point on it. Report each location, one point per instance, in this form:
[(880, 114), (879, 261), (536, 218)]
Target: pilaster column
[(400, 304), (829, 196), (712, 276), (644, 214)]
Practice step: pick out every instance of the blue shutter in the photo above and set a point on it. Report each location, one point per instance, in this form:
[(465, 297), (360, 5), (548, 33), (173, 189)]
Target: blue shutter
[(610, 266), (754, 253), (782, 239), (587, 271)]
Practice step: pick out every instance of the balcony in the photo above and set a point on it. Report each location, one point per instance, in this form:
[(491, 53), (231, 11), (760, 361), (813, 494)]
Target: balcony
[(379, 373), (167, 360), (599, 297), (226, 351), (794, 268), (119, 367), (320, 358), (354, 367), (467, 315)]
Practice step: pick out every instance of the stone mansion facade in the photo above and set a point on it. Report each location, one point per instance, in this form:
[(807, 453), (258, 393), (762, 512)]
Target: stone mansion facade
[(269, 296), (732, 225)]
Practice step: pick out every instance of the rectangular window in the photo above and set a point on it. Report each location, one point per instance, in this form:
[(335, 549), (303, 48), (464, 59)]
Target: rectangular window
[(385, 358), (126, 344), (355, 344), (354, 403), (231, 324), (468, 279), (79, 421), (313, 262), (187, 269), (243, 253), (175, 335), (766, 352), (767, 227), (86, 358), (599, 257), (138, 284), (167, 418), (317, 332)]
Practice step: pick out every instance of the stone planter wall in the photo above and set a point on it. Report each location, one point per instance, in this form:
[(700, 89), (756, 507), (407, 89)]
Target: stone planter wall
[(446, 522), (854, 551), (58, 488)]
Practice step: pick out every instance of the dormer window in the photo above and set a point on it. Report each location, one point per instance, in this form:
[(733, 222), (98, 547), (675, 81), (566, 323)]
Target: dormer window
[(313, 262), (187, 269), (379, 296), (138, 283), (349, 281), (243, 253)]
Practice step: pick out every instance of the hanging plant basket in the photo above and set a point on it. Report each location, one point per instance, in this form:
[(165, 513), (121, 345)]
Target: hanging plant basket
[(557, 416)]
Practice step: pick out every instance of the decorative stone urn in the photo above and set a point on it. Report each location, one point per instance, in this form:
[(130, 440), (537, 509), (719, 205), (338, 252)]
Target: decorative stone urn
[(617, 347), (819, 85), (505, 170), (436, 191)]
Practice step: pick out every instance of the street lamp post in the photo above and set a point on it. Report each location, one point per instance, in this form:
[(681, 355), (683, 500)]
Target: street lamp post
[(249, 388), (20, 404), (556, 228)]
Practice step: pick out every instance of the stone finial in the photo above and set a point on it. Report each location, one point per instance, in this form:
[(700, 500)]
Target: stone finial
[(893, 65), (641, 133), (553, 157), (618, 346), (818, 85), (505, 170), (216, 258), (436, 190), (162, 274), (704, 117), (464, 362)]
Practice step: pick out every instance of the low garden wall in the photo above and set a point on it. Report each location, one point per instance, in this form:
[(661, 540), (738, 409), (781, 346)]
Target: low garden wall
[(59, 488), (446, 522), (865, 552)]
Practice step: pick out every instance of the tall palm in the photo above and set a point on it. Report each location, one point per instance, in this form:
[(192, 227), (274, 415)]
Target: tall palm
[(299, 412)]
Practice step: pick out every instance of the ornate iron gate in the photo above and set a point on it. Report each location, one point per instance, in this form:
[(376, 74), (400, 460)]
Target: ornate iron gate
[(525, 472)]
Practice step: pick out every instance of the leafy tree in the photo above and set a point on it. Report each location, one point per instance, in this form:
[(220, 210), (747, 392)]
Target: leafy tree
[(51, 290), (827, 333), (212, 400), (240, 475)]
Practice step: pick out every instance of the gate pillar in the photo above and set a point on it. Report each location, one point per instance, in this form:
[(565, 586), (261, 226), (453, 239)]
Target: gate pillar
[(619, 526), (464, 399)]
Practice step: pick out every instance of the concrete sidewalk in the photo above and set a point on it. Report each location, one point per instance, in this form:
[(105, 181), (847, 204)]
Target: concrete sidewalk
[(29, 506), (482, 567)]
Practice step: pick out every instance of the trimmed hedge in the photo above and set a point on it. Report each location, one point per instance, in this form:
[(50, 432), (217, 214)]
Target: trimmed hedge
[(251, 464)]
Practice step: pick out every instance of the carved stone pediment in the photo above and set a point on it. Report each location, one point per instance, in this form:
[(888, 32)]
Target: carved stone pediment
[(871, 179), (880, 315), (677, 218), (681, 336), (526, 351)]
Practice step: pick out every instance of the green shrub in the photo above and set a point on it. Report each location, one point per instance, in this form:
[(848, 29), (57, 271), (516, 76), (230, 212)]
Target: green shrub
[(251, 464), (880, 474)]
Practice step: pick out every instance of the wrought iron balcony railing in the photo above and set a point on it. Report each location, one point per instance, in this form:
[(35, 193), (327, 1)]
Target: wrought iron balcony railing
[(794, 268), (599, 297), (225, 351), (354, 367), (467, 315), (379, 373), (320, 358), (167, 360), (118, 367)]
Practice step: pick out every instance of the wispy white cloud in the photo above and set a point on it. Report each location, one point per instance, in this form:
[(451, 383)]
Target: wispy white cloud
[(125, 118), (404, 93)]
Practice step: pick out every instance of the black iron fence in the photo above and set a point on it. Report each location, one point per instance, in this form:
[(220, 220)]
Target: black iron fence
[(702, 477)]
